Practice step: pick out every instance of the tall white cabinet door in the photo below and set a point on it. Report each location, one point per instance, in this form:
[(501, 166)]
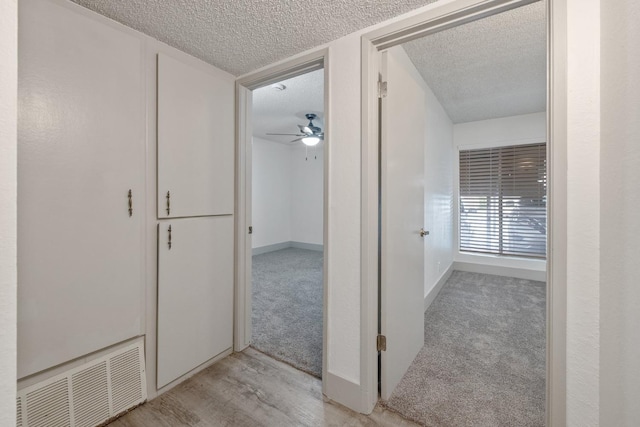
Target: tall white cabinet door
[(195, 140), (195, 293), (81, 149)]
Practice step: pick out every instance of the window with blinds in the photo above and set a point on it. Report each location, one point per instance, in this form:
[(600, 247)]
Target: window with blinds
[(503, 200)]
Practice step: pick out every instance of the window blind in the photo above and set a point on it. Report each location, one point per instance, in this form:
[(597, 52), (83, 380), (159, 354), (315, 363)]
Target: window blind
[(503, 200)]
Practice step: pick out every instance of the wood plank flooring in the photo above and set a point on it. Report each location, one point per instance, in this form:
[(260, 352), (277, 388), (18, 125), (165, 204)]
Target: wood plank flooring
[(251, 389)]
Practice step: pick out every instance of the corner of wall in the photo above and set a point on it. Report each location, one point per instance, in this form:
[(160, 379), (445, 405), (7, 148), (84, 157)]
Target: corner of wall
[(431, 295), (8, 208)]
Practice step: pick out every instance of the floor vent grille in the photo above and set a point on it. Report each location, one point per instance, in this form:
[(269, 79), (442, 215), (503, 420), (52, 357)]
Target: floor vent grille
[(87, 395)]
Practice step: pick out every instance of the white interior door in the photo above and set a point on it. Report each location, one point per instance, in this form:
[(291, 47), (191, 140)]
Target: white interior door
[(195, 293), (402, 216), (195, 140)]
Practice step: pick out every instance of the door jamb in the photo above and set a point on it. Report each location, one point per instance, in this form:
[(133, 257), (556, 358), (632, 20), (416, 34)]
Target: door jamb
[(434, 19), (244, 86)]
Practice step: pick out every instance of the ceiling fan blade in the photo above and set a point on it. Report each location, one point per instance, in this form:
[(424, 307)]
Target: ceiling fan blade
[(289, 134), (296, 140)]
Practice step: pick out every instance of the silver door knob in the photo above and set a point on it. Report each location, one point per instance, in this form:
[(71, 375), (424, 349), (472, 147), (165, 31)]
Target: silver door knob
[(423, 232)]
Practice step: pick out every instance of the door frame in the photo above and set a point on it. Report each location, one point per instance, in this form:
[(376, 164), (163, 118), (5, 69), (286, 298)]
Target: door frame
[(243, 251), (436, 18)]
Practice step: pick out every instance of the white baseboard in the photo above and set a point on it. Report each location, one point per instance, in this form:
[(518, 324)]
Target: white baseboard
[(343, 392), (433, 293), (270, 248), (519, 273), (308, 246), (285, 245)]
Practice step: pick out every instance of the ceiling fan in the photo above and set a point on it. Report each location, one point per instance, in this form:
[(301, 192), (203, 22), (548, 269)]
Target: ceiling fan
[(309, 135)]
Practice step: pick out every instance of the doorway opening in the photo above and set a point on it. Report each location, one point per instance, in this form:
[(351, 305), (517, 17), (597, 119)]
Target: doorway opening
[(282, 216), (287, 220), (463, 232)]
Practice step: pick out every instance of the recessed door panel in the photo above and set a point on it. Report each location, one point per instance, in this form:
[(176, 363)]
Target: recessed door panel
[(195, 140), (81, 149), (195, 293)]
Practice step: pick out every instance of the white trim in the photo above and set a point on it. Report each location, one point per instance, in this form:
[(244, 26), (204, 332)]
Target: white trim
[(496, 144), (430, 20), (556, 395), (344, 392), (244, 85), (534, 264), (498, 270), (284, 245), (270, 248), (433, 293), (307, 246), (369, 228)]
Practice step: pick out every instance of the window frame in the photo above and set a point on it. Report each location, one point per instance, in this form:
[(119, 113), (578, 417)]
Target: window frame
[(519, 261)]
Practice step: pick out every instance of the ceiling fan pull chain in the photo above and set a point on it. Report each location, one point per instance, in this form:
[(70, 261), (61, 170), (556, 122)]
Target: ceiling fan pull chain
[(306, 153)]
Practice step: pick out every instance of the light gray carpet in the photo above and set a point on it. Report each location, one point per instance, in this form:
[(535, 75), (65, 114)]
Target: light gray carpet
[(483, 362), (287, 307)]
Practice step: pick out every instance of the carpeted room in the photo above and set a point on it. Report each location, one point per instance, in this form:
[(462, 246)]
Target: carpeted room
[(287, 213), (482, 92)]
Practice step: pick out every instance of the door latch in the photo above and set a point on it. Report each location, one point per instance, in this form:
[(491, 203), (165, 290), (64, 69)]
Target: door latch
[(250, 229)]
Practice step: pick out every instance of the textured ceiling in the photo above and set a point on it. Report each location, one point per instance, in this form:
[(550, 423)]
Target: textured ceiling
[(490, 68), (494, 67), (276, 111), (243, 35)]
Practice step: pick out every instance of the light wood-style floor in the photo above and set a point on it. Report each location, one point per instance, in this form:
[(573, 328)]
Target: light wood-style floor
[(251, 389)]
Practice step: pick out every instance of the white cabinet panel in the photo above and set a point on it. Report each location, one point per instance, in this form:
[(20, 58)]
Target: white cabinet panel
[(195, 293), (195, 140), (81, 148)]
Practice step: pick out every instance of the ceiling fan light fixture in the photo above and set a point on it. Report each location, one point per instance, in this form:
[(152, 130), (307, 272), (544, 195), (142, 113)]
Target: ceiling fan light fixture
[(310, 140)]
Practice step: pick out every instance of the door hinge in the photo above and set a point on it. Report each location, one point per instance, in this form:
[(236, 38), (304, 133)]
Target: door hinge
[(250, 229), (381, 343), (382, 89)]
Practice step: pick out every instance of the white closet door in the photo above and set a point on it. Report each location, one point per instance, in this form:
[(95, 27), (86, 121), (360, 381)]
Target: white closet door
[(195, 293), (195, 140), (81, 149)]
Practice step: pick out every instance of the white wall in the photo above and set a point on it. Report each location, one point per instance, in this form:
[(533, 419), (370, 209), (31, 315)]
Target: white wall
[(286, 193), (523, 129), (270, 192), (8, 208), (307, 194), (343, 324), (438, 192), (583, 215), (620, 214)]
